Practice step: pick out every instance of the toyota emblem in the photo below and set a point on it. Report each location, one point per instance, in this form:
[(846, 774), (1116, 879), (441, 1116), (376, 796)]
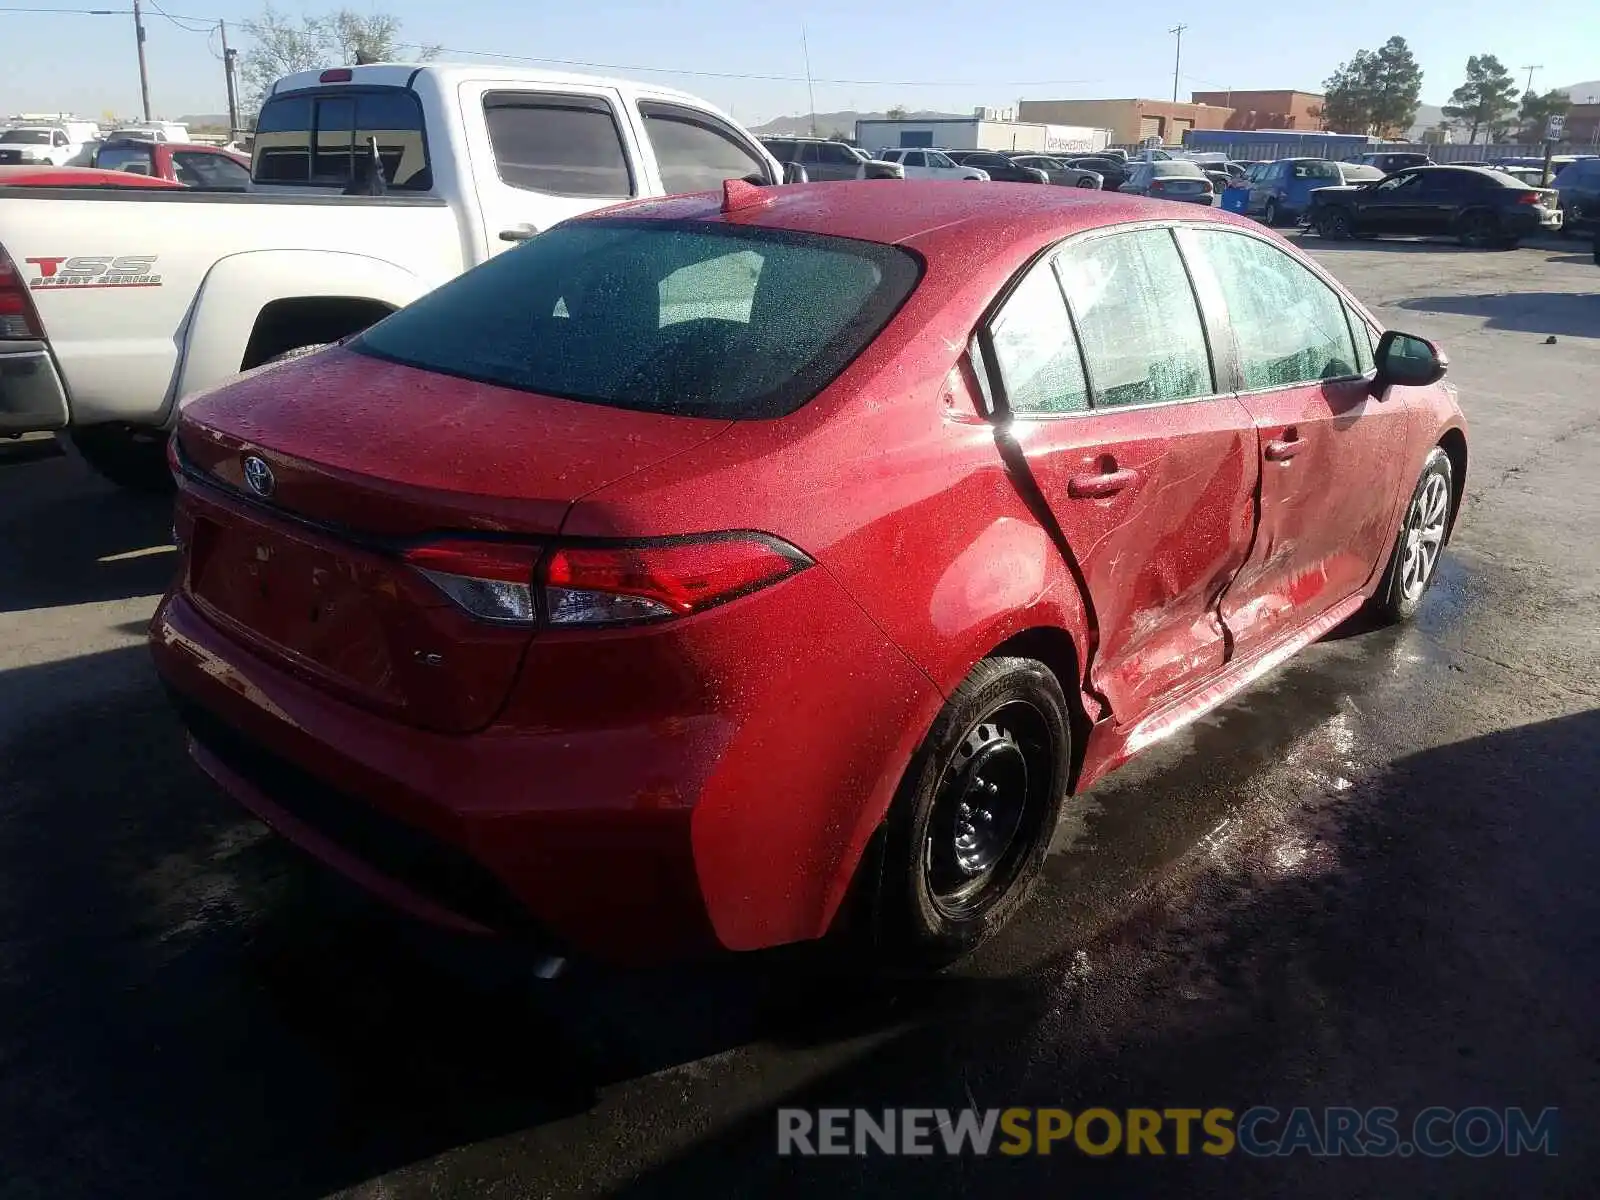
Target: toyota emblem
[(258, 475)]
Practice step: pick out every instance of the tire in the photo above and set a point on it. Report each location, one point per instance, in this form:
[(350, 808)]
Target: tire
[(1335, 225), (1269, 214), (1404, 585), (1479, 231), (1084, 183), (135, 459), (1005, 736)]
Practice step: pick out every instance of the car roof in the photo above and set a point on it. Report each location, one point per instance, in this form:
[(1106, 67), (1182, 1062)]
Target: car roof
[(1009, 220), (78, 177)]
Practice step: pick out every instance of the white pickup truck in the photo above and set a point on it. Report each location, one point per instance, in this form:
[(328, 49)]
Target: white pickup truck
[(116, 304)]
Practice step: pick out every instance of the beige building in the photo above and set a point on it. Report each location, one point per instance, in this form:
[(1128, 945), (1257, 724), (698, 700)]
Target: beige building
[(1130, 121)]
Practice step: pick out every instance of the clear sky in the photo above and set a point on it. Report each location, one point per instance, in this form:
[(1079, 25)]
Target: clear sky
[(945, 54)]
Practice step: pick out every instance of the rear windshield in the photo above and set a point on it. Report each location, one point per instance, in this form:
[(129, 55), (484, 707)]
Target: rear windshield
[(688, 318), (1177, 168), (317, 137), (26, 137), (135, 159), (1318, 170)]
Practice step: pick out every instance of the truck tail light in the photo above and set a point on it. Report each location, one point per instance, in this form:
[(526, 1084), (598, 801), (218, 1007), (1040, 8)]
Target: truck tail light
[(652, 581), (335, 75), (18, 317), (602, 583), (1528, 198)]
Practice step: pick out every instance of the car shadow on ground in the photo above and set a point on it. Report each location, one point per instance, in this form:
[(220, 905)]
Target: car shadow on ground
[(1570, 314), (1369, 965), (16, 451), (68, 540)]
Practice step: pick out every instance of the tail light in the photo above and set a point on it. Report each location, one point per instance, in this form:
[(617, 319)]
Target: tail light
[(1528, 198), (18, 318), (1157, 185), (612, 583)]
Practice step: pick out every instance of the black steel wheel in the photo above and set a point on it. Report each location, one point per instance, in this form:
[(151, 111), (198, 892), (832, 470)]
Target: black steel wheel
[(966, 837), (1334, 225), (1479, 231)]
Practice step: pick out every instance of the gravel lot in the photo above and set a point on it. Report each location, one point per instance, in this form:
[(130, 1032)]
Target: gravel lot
[(1374, 880)]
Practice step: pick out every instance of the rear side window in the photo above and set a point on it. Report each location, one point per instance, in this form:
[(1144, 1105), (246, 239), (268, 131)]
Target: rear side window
[(1289, 326), (694, 152), (697, 319), (1035, 350), (314, 137), (565, 145), (1138, 320)]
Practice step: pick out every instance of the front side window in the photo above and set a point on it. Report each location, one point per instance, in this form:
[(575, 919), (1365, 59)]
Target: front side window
[(562, 145), (1035, 350), (935, 159), (1396, 182), (694, 152), (1138, 320), (683, 318), (1289, 326)]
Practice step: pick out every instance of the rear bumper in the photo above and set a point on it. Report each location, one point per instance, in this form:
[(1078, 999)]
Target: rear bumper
[(636, 841), (32, 395)]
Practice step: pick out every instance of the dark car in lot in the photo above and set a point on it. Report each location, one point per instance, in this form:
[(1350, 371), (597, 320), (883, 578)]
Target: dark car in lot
[(1578, 187), (1000, 167), (1390, 161), (1171, 179), (1482, 207), (1113, 170), (824, 159)]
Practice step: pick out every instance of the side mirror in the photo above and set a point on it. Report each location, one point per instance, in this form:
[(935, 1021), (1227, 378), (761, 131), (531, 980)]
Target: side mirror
[(1406, 360), (795, 173)]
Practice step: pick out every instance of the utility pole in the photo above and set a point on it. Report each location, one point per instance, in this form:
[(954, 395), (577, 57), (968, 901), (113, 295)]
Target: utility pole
[(144, 75), (1177, 59), (1530, 71), (811, 96), (228, 62)]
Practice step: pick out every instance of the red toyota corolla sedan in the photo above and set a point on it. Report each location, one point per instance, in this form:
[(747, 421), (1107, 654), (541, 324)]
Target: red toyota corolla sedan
[(662, 582)]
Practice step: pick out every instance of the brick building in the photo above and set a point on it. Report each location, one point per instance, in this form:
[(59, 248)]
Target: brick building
[(1266, 109), (1130, 121)]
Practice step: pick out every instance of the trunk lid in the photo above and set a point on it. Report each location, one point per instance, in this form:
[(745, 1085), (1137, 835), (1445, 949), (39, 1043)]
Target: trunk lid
[(366, 457)]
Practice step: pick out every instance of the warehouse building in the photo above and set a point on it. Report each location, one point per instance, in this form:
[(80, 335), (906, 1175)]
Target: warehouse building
[(1130, 121), (986, 129)]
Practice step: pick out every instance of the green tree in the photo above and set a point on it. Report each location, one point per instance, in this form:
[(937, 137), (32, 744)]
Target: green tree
[(897, 113), (1376, 92), (1486, 100), (1537, 109), (282, 45)]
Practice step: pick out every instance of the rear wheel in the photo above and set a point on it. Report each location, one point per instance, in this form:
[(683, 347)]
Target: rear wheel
[(1479, 231), (1086, 183), (1270, 213), (969, 829), (1415, 558), (132, 458), (1334, 225)]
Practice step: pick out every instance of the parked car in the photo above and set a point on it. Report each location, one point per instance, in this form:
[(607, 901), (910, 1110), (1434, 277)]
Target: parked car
[(1281, 191), (575, 672), (195, 286), (930, 164), (998, 167), (1578, 187), (32, 146), (153, 131), (75, 177), (1389, 161), (1482, 207), (1113, 152), (1354, 173), (1059, 173), (829, 160), (1113, 172), (1170, 180), (192, 165)]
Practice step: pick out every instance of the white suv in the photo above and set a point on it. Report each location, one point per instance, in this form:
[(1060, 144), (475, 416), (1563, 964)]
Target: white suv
[(930, 164)]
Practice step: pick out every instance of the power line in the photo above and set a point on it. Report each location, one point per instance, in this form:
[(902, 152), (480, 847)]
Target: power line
[(205, 25), (573, 62)]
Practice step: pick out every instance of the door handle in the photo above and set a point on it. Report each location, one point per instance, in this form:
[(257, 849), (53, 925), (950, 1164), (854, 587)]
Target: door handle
[(518, 233), (1106, 483), (1282, 451)]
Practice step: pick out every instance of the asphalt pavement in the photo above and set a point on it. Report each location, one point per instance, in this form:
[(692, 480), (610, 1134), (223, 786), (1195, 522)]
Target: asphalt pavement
[(1373, 880)]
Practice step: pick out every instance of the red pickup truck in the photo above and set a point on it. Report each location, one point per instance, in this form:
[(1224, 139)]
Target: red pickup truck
[(195, 166), (57, 177)]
